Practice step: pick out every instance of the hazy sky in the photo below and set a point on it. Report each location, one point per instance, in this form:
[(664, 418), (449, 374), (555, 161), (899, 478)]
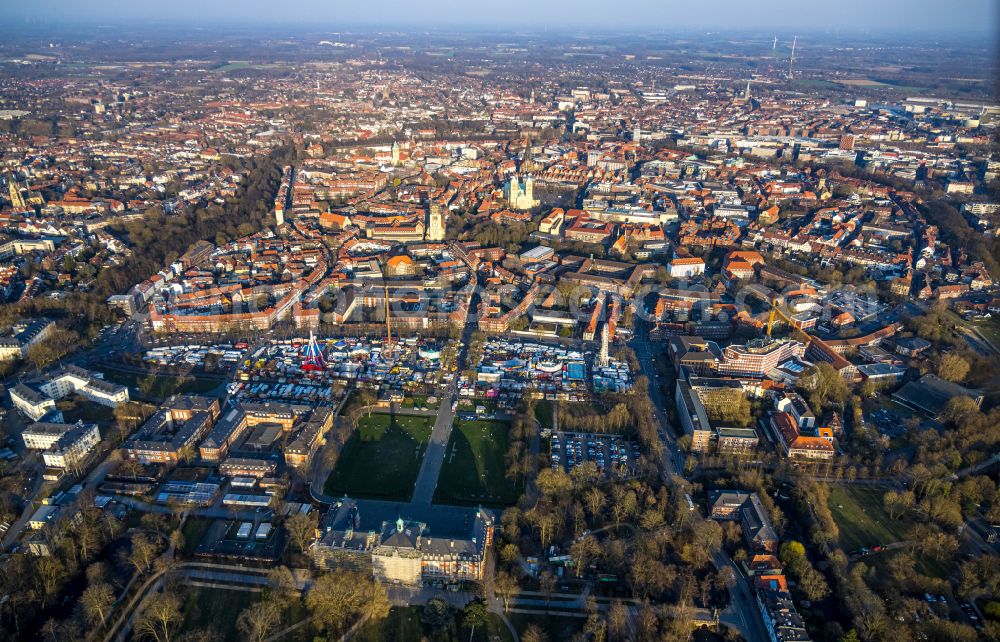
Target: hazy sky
[(979, 16)]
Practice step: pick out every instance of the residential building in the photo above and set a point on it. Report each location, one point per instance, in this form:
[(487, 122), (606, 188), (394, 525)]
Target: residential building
[(31, 402), (25, 334), (73, 446), (173, 430), (746, 508)]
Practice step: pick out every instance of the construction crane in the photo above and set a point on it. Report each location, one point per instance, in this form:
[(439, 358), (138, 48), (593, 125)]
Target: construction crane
[(388, 322)]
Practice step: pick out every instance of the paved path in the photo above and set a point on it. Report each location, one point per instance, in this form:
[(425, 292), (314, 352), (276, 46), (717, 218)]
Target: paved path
[(437, 449)]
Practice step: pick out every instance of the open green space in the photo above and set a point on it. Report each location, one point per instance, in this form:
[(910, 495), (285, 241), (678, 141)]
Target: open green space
[(417, 401), (403, 624), (474, 470), (883, 563), (990, 329), (154, 386), (382, 458), (556, 627), (232, 65), (194, 530), (814, 83), (861, 518), (215, 609), (544, 414), (352, 403), (81, 409)]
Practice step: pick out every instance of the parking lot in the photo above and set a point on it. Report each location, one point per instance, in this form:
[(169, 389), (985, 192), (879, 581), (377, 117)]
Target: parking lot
[(613, 455), (887, 422)]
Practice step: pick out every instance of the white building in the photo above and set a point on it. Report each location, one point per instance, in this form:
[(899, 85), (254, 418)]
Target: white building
[(24, 335), (72, 379), (73, 446), (43, 435), (31, 402), (686, 267)]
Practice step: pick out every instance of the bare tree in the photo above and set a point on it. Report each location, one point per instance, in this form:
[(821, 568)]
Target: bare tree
[(97, 600), (534, 633), (505, 586), (335, 599), (547, 582), (618, 621), (302, 529), (259, 620), (281, 585), (144, 551), (159, 617)]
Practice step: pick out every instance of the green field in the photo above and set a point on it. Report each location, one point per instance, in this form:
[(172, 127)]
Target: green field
[(216, 609), (474, 470), (194, 531), (382, 458), (81, 409), (861, 518), (883, 563), (544, 414), (556, 627), (404, 625), (232, 65), (159, 386)]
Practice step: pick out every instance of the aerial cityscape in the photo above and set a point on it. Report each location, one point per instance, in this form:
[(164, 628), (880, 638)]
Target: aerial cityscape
[(548, 322)]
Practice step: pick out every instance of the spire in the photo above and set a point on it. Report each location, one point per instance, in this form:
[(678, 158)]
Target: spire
[(400, 525)]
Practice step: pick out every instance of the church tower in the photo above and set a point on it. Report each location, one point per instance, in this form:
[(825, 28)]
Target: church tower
[(435, 223)]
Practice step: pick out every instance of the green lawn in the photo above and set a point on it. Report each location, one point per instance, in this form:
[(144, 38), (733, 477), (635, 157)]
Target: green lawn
[(417, 401), (474, 470), (159, 386), (556, 627), (194, 530), (883, 562), (216, 609), (81, 409), (990, 329), (543, 413), (382, 458), (862, 520), (404, 625), (232, 65)]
